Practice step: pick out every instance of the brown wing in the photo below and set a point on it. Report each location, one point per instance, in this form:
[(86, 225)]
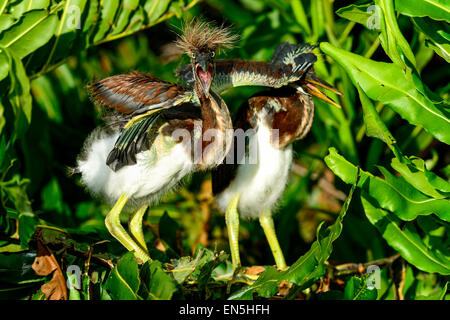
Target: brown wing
[(137, 93)]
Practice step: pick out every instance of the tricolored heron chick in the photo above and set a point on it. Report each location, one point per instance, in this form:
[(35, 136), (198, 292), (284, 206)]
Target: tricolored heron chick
[(158, 129), (252, 184)]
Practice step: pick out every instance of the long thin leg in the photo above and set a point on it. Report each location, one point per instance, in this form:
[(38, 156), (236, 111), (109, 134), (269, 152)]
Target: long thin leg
[(112, 222), (232, 221), (135, 226), (266, 222)]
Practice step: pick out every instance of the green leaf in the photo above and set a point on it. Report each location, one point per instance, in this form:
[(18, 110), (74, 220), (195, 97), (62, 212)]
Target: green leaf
[(6, 21), (20, 7), (157, 285), (387, 83), (391, 37), (435, 9), (19, 95), (357, 289), (4, 64), (393, 194), (375, 127), (300, 15), (439, 295), (128, 7), (2, 122), (123, 282), (108, 9), (266, 286), (417, 177), (434, 32), (183, 269), (307, 269), (155, 9), (66, 31), (27, 226), (405, 239), (31, 32), (356, 13)]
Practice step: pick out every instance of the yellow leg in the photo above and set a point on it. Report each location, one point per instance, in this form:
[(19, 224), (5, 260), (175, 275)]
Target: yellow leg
[(232, 221), (135, 226), (266, 222), (112, 222)]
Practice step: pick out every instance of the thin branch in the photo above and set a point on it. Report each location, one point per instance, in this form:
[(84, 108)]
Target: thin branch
[(350, 268)]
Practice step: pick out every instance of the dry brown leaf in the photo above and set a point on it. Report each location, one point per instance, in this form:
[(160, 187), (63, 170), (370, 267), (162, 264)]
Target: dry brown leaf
[(283, 288), (43, 265), (255, 270)]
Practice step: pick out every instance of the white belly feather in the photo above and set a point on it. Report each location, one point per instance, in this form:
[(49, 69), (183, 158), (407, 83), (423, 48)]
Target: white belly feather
[(145, 182), (260, 185)]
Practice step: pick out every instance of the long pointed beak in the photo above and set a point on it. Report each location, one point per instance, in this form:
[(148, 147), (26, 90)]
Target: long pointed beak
[(312, 82)]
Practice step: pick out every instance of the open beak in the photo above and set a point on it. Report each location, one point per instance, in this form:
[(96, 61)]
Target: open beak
[(311, 82), (205, 77)]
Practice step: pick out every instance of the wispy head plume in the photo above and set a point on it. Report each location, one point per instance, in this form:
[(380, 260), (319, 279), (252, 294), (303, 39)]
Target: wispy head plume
[(204, 36)]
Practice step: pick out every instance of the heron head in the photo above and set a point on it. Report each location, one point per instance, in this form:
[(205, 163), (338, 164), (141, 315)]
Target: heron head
[(200, 40)]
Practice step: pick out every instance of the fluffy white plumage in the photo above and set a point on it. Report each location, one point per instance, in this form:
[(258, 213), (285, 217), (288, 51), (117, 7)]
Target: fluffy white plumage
[(145, 182), (260, 185)]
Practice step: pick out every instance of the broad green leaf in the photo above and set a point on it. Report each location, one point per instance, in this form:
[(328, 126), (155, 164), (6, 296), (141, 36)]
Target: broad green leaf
[(435, 9), (66, 30), (183, 269), (391, 37), (157, 285), (405, 239), (418, 178), (127, 8), (360, 14), (318, 18), (31, 32), (4, 64), (266, 286), (27, 226), (393, 193), (52, 198), (387, 83), (375, 127), (19, 95), (6, 21), (123, 282), (357, 289), (109, 10), (155, 9), (20, 7), (300, 15), (434, 32)]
